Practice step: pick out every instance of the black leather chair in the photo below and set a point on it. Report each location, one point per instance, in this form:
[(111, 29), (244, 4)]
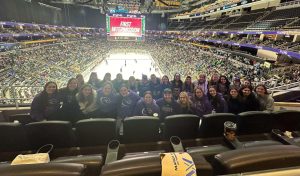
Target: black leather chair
[(288, 171), (93, 132), (212, 125), (13, 137), (287, 120), (257, 158), (185, 126), (254, 122), (22, 118), (49, 169), (141, 129), (149, 166), (93, 163), (58, 133)]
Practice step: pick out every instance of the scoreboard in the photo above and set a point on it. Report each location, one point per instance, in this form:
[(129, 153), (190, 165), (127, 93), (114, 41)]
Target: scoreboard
[(130, 27)]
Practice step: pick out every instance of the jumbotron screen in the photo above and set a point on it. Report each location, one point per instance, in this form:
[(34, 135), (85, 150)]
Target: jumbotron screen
[(125, 27)]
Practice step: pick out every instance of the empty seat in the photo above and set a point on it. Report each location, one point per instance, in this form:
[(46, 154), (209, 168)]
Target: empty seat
[(141, 129), (149, 166), (93, 163), (58, 133), (254, 122), (93, 132), (212, 125), (287, 120), (13, 137), (49, 169), (184, 126), (22, 118), (257, 158)]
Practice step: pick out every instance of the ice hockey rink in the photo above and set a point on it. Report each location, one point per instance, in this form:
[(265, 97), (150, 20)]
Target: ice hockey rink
[(128, 64)]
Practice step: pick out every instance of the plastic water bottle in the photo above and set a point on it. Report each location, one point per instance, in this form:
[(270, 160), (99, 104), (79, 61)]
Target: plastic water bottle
[(213, 111)]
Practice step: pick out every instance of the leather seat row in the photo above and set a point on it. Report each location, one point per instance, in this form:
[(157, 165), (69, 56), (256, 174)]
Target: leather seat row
[(94, 132), (228, 162)]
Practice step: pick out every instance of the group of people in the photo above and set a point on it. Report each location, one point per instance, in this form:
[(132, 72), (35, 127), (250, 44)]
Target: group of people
[(156, 97)]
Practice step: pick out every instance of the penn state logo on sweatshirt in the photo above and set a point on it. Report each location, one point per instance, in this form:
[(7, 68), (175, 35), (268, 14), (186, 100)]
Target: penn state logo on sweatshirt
[(126, 102), (105, 100), (147, 111)]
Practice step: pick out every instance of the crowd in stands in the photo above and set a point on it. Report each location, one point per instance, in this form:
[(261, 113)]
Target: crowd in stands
[(35, 66), (284, 43), (59, 62), (156, 97)]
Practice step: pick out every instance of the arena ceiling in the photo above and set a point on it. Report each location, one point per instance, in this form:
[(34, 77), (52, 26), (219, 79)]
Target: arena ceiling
[(169, 4)]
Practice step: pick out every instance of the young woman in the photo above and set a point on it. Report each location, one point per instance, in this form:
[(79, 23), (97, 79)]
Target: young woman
[(132, 84), (70, 110), (165, 83), (201, 105), (146, 106), (87, 101), (223, 85), (265, 99), (214, 80), (176, 86), (128, 101), (185, 103), (233, 101), (143, 85), (248, 100), (94, 81), (155, 87), (217, 101), (107, 101), (188, 86), (118, 81), (80, 80), (46, 105)]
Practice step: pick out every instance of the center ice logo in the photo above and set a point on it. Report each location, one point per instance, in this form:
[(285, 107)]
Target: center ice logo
[(125, 24)]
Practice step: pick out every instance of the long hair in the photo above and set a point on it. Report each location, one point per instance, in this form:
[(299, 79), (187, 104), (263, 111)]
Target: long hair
[(227, 81), (69, 82), (244, 87), (44, 94), (210, 97), (189, 102), (194, 94), (80, 79), (93, 77), (237, 90), (263, 86), (89, 99), (165, 76)]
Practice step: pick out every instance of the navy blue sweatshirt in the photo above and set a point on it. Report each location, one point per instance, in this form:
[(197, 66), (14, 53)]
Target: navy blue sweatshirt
[(127, 105)]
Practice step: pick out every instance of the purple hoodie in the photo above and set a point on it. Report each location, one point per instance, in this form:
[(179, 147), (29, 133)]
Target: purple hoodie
[(201, 106), (128, 104)]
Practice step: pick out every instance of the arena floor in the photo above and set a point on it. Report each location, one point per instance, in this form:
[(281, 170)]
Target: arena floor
[(128, 64)]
